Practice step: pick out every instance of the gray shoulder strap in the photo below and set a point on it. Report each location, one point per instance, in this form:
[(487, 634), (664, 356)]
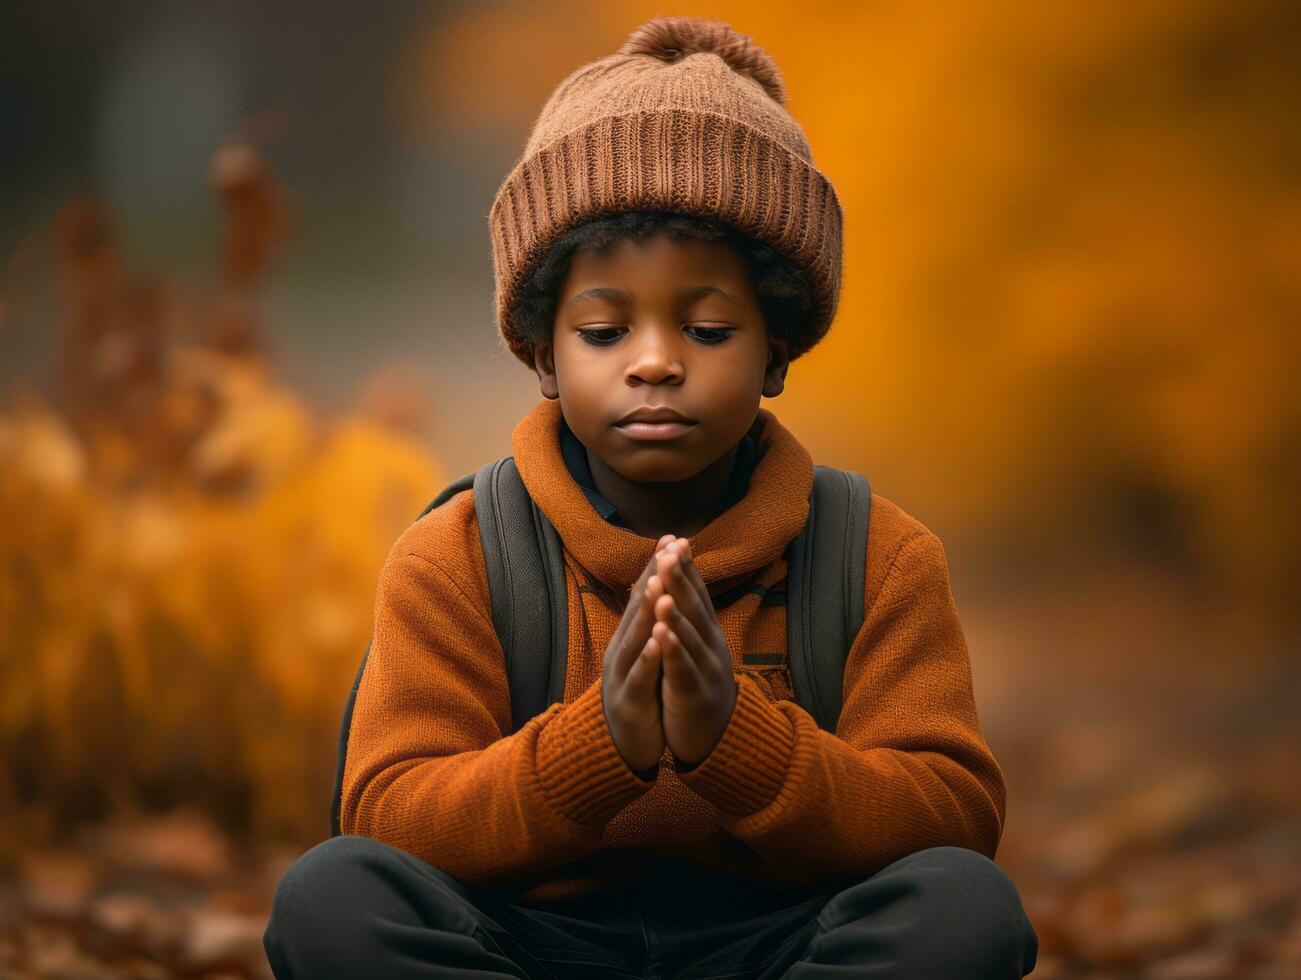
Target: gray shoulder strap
[(345, 725), (526, 584), (529, 612), (826, 575)]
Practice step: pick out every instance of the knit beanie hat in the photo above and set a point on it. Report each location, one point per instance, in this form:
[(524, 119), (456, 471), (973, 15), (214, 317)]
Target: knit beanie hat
[(687, 116)]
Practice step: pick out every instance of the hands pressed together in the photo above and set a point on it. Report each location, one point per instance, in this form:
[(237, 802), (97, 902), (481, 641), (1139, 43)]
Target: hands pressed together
[(668, 673)]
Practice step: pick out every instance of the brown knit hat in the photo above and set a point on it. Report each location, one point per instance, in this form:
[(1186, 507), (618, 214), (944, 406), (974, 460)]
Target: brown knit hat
[(687, 116)]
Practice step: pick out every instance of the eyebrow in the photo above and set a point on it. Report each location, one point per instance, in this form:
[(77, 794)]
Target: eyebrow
[(616, 295)]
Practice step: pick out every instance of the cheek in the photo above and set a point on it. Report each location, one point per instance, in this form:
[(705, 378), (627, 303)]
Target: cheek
[(738, 377), (577, 369), (584, 385)]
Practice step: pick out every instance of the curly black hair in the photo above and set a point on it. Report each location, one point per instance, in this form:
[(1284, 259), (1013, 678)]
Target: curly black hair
[(785, 295)]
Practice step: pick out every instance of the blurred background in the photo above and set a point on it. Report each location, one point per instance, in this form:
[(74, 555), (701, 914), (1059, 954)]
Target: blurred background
[(246, 334)]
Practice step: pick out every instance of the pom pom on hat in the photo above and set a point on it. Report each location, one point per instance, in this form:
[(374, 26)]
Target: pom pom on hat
[(671, 38)]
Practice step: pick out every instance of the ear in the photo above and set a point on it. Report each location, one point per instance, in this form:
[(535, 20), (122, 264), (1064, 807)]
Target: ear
[(544, 363), (774, 377)]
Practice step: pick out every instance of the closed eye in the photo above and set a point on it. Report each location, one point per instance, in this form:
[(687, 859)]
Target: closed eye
[(591, 336), (715, 335), (606, 336)]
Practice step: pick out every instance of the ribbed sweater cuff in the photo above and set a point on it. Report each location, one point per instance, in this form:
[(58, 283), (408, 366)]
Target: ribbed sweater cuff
[(579, 766), (748, 766)]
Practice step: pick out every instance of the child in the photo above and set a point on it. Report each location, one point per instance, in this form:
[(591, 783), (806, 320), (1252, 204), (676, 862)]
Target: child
[(663, 251)]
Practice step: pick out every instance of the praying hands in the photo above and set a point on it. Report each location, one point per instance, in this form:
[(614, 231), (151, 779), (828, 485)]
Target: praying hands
[(670, 624), (698, 687)]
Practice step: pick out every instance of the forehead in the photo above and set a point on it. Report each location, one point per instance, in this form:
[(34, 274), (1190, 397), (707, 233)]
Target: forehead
[(658, 259)]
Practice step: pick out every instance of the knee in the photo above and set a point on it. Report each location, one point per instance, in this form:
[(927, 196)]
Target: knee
[(323, 905), (975, 912), (960, 914), (327, 873)]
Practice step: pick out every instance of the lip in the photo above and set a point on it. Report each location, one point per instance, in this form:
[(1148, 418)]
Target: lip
[(654, 413), (653, 431)]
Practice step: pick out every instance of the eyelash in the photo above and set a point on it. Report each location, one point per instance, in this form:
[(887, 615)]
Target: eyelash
[(590, 335)]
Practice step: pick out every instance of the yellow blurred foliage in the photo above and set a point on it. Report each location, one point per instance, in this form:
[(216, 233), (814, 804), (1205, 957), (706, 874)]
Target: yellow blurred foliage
[(186, 590), (187, 642)]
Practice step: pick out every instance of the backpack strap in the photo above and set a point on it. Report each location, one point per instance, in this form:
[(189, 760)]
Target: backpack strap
[(526, 584), (826, 574)]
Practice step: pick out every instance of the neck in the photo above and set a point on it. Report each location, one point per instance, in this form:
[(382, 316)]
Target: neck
[(750, 534), (681, 507)]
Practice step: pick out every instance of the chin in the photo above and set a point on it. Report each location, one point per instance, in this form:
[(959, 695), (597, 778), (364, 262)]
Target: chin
[(656, 464)]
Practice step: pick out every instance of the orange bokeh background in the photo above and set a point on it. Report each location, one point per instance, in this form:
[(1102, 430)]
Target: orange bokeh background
[(1067, 342)]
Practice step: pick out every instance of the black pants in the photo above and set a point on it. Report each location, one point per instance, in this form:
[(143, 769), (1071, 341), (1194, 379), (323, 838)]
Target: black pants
[(355, 907)]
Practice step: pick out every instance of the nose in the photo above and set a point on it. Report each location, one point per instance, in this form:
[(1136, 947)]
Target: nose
[(655, 356)]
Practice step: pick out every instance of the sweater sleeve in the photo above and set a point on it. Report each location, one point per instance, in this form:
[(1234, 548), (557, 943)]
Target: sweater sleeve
[(429, 768), (907, 768)]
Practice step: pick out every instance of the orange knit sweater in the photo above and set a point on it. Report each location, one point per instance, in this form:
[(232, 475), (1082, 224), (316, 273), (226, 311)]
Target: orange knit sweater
[(553, 810)]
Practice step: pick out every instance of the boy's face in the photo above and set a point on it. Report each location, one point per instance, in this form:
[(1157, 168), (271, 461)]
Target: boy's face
[(660, 322)]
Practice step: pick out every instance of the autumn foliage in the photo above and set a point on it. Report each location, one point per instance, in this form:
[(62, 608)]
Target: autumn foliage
[(188, 571)]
